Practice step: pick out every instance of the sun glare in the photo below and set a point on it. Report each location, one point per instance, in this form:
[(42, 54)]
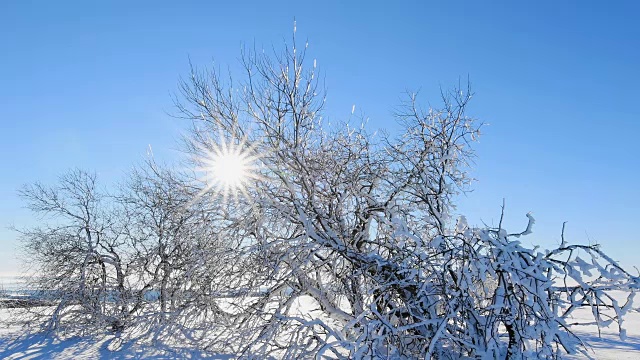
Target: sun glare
[(228, 169)]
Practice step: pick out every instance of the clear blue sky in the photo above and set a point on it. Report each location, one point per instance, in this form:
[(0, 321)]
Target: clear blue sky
[(88, 84)]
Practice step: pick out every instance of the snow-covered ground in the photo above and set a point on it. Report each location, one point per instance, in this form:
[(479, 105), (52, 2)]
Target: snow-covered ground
[(18, 344), (609, 345), (14, 344)]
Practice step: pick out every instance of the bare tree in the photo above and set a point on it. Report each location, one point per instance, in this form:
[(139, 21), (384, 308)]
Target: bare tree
[(174, 250), (144, 257), (75, 255)]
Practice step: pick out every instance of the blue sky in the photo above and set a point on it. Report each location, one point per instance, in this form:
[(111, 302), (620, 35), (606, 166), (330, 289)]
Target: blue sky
[(89, 85)]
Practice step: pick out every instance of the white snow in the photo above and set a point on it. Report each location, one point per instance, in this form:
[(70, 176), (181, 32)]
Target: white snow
[(15, 343), (609, 345)]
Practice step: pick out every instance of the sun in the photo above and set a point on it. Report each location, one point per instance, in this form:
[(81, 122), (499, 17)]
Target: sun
[(231, 170), (228, 168)]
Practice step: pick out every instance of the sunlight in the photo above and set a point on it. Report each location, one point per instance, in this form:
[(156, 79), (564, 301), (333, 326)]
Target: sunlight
[(228, 169)]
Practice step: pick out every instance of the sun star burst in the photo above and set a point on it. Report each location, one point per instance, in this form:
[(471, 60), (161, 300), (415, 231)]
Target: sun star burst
[(228, 168)]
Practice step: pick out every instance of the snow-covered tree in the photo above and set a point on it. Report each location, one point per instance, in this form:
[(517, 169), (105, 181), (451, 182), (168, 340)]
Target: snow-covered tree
[(74, 253), (346, 241), (173, 251)]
